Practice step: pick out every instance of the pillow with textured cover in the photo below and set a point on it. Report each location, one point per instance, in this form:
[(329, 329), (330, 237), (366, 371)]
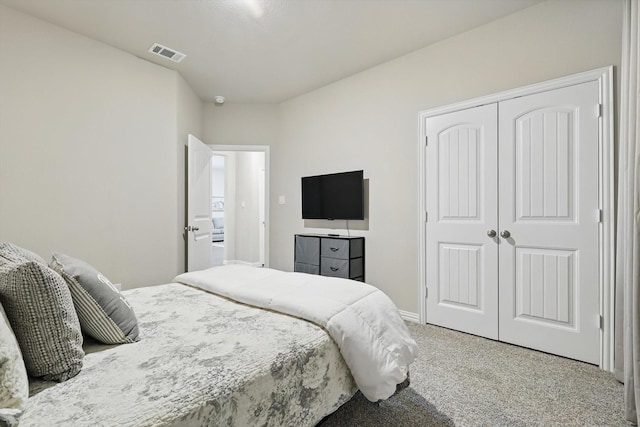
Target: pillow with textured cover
[(103, 311), (40, 310), (14, 384), (7, 248)]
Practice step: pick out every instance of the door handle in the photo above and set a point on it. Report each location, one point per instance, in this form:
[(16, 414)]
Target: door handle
[(505, 234), (491, 233), (190, 228)]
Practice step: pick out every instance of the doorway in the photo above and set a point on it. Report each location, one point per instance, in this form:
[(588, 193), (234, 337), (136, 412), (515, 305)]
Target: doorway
[(239, 202), (218, 180)]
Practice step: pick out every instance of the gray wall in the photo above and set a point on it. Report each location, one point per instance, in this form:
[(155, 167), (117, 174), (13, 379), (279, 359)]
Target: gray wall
[(91, 151)]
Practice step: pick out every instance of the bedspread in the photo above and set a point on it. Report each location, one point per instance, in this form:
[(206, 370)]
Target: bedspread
[(202, 361), (365, 324)]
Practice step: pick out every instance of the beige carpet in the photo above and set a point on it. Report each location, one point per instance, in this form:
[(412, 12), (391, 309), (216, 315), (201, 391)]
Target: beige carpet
[(463, 380)]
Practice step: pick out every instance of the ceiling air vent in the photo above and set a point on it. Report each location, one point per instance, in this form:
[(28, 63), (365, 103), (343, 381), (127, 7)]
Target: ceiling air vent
[(165, 52)]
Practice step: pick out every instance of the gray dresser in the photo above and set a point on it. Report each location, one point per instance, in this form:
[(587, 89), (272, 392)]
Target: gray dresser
[(334, 256)]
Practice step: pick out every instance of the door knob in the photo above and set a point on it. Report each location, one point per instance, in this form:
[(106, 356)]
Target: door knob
[(491, 233), (505, 234), (195, 228)]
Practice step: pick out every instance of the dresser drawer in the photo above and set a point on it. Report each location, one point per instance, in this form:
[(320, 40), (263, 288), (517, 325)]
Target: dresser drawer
[(334, 267), (307, 250), (345, 268), (306, 268), (335, 248)]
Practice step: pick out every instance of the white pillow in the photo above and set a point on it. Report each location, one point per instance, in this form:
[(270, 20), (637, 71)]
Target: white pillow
[(14, 384)]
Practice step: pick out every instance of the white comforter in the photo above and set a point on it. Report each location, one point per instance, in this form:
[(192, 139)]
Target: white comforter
[(373, 339)]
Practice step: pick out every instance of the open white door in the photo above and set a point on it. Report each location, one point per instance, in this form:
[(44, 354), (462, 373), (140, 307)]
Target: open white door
[(198, 227)]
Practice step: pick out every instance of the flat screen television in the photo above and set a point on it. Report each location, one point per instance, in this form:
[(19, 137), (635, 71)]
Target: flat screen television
[(333, 196)]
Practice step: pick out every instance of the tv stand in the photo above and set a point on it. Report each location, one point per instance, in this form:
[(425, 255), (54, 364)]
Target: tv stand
[(330, 255)]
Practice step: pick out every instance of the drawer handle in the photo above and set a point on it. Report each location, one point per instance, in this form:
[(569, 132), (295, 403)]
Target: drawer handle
[(334, 249), (334, 268)]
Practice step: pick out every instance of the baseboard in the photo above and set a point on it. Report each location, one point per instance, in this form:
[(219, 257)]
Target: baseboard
[(237, 261), (409, 316)]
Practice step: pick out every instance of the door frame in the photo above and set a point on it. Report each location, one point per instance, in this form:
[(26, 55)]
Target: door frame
[(266, 150), (606, 230)]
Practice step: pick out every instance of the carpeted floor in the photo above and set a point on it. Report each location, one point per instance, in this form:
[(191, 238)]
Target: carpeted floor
[(464, 380)]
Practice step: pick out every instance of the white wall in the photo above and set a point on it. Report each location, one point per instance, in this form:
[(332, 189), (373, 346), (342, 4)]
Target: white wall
[(230, 206), (370, 121), (247, 224), (242, 211), (240, 124), (88, 157), (217, 178), (91, 157)]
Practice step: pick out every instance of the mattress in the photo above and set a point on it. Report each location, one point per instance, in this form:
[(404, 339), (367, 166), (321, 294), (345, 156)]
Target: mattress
[(203, 360)]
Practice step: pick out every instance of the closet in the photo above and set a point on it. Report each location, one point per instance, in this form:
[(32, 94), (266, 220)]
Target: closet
[(513, 242)]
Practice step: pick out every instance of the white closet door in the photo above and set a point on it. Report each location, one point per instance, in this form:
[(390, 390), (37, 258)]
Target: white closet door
[(461, 259), (548, 178)]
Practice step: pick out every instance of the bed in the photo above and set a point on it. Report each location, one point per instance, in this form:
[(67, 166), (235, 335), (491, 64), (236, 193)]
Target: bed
[(202, 360), (209, 356)]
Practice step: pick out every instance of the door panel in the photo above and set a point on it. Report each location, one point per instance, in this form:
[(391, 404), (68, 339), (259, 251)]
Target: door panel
[(199, 225), (459, 275), (461, 174), (548, 156), (545, 286), (545, 174)]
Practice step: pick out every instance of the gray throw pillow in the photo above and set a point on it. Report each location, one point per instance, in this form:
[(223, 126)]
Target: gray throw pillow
[(10, 248), (14, 384), (103, 311), (41, 313)]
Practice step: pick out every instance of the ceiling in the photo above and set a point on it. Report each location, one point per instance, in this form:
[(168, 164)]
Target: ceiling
[(267, 51)]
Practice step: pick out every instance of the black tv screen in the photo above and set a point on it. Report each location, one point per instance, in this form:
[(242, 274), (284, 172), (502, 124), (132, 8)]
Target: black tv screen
[(333, 196)]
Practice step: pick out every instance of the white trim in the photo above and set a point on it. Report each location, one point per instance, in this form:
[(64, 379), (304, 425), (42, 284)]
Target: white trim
[(240, 262), (267, 185), (409, 316), (607, 227), (422, 218), (574, 79), (606, 191)]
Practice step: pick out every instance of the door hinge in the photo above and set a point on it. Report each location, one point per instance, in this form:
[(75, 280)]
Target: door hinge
[(426, 293), (600, 215), (426, 140), (599, 108), (426, 216)]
